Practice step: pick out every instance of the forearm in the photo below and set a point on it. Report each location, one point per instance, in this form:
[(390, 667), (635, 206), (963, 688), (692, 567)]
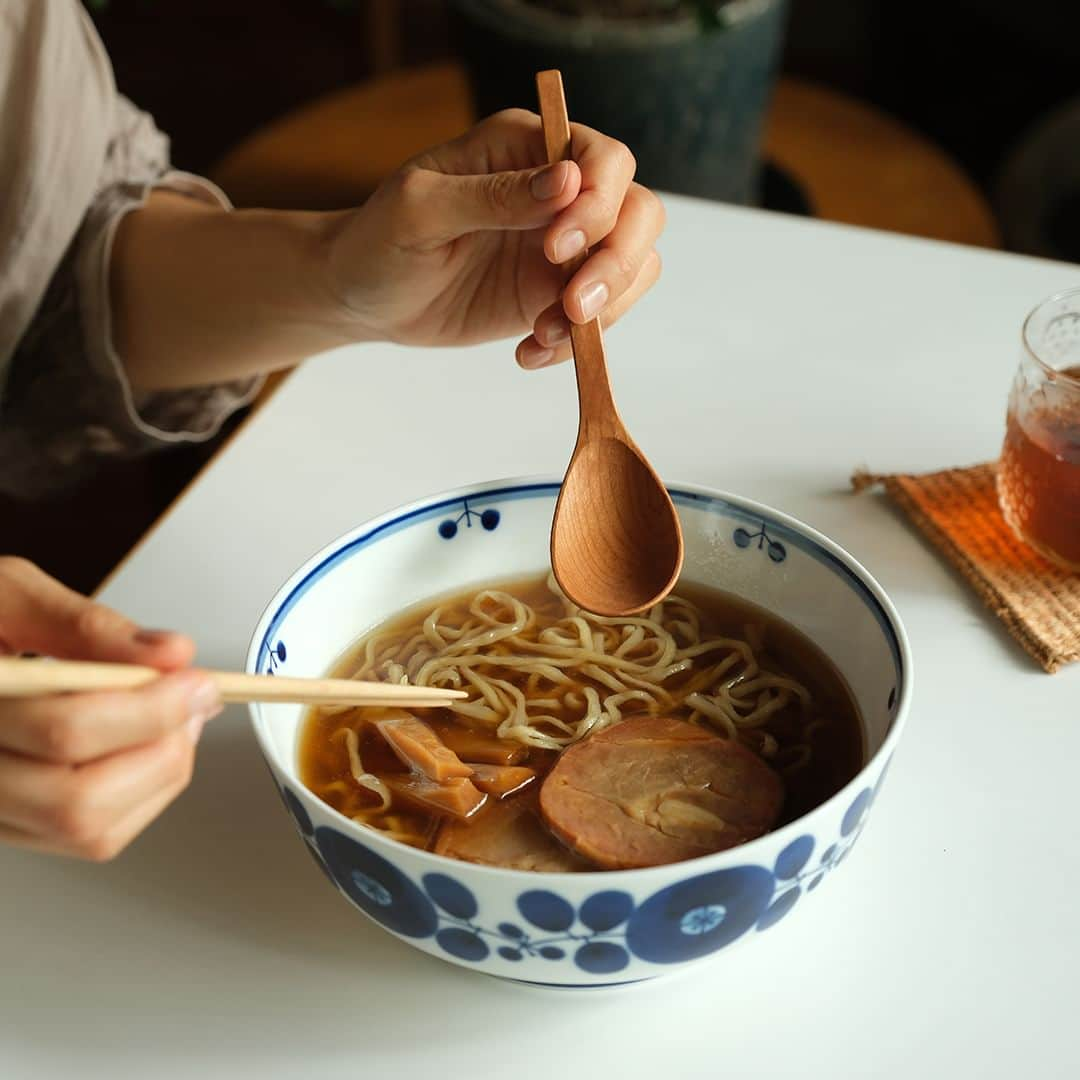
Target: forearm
[(201, 295)]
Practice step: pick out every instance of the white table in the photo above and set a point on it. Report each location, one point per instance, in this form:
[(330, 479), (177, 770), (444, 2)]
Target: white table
[(775, 356)]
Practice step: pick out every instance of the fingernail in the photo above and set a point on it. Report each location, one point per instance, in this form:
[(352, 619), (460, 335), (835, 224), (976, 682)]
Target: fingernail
[(555, 333), (537, 358), (592, 299), (550, 182), (569, 244), (198, 721), (204, 702), (152, 637)]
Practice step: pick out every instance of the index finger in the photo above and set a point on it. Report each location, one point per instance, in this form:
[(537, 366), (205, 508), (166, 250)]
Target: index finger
[(40, 614), (607, 169), (508, 140), (72, 729)]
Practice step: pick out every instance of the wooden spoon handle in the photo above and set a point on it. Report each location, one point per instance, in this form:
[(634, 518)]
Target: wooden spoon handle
[(557, 139), (598, 413)]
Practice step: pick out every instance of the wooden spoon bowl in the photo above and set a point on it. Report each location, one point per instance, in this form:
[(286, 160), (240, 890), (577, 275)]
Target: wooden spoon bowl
[(611, 546)]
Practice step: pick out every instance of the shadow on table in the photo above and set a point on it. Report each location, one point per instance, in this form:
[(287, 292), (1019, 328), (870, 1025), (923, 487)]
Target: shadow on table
[(216, 937), (228, 857), (215, 920)]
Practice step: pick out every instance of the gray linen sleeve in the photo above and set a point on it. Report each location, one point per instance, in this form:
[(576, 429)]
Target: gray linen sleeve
[(67, 402)]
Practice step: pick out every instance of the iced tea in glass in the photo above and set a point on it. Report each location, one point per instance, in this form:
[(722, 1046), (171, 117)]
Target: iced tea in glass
[(1038, 477)]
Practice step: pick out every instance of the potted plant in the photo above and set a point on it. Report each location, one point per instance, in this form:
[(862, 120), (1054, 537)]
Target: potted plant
[(684, 83)]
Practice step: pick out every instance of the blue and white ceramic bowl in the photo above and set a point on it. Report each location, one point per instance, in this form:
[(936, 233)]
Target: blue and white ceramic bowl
[(597, 928)]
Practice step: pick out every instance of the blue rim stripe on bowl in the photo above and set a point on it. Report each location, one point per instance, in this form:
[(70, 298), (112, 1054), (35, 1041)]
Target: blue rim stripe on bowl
[(713, 503)]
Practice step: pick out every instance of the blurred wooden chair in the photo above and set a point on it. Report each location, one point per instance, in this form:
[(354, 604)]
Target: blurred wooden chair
[(852, 162)]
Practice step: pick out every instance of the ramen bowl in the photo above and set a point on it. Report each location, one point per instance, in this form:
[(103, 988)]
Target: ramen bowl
[(604, 927)]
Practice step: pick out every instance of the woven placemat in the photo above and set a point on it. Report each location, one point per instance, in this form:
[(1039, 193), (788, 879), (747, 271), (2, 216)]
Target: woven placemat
[(957, 510)]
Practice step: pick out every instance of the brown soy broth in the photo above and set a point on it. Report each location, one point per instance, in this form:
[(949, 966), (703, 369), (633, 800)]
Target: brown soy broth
[(837, 745)]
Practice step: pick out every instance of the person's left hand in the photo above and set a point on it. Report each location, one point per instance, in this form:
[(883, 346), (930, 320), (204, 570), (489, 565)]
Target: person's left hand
[(83, 774), (463, 243)]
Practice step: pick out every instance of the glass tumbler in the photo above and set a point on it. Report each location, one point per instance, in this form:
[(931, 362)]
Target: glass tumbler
[(1038, 478)]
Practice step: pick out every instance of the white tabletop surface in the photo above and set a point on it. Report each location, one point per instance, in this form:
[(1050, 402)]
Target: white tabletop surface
[(776, 355)]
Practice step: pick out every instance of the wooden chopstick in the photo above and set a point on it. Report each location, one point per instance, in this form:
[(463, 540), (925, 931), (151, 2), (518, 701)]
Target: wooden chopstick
[(22, 677)]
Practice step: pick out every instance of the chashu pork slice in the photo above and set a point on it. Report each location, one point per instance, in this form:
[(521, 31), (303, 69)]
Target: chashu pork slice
[(654, 790), (508, 833)]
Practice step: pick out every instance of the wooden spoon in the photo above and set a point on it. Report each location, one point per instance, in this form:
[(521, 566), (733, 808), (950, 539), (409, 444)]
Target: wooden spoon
[(616, 542)]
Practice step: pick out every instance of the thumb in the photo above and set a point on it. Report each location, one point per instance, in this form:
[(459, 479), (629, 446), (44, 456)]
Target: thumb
[(39, 614), (447, 206)]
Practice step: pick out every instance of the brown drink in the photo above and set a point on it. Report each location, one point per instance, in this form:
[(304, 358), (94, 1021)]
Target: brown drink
[(1039, 472), (1039, 481)]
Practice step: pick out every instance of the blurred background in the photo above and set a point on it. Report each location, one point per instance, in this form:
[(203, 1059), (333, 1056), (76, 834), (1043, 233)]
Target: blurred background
[(979, 79), (958, 120)]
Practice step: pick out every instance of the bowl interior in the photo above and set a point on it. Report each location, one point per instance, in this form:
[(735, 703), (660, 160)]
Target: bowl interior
[(498, 531)]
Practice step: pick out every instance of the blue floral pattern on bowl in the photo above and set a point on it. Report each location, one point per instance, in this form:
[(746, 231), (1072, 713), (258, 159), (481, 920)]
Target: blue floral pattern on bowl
[(773, 548), (276, 655), (684, 921), (377, 887), (489, 521)]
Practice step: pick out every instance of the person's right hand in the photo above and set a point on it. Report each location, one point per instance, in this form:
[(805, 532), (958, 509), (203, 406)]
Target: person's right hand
[(83, 774), (467, 242)]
